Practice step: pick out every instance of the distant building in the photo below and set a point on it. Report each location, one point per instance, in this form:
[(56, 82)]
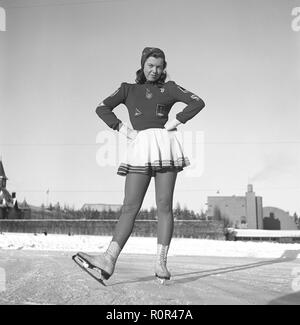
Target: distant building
[(101, 207), (248, 212), (9, 207), (6, 200), (277, 219)]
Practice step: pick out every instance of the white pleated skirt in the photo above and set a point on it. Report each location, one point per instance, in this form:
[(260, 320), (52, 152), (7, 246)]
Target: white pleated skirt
[(154, 150)]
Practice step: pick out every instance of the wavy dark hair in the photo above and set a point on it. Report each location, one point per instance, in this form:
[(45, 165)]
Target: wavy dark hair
[(140, 76)]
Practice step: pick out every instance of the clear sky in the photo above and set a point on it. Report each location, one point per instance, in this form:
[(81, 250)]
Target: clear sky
[(59, 59)]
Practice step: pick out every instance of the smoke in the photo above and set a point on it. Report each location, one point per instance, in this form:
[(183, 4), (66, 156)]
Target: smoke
[(277, 165)]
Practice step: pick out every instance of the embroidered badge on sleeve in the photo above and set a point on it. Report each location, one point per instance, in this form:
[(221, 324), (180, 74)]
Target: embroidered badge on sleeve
[(193, 96), (112, 95), (183, 90)]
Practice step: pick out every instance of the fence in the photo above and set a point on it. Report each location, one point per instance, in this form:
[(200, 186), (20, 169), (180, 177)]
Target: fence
[(143, 228)]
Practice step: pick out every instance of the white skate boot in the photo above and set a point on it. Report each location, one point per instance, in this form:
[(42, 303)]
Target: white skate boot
[(104, 263), (161, 271)]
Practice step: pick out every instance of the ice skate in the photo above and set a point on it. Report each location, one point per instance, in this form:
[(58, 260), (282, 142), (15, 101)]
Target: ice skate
[(161, 272), (100, 263), (103, 263)]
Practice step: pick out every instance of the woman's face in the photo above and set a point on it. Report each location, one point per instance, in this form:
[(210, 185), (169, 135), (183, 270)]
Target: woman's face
[(153, 68)]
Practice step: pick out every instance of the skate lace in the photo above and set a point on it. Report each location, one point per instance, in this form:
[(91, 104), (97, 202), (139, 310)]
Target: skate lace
[(163, 257)]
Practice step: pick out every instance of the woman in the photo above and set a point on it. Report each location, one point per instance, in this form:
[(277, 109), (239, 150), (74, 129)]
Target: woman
[(153, 151)]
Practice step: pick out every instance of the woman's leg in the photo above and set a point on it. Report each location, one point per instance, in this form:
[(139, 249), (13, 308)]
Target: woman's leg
[(164, 189), (136, 186), (135, 189)]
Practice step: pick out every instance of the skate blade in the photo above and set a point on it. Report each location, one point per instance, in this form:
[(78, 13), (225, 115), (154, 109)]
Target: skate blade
[(94, 272), (162, 281), (85, 263)]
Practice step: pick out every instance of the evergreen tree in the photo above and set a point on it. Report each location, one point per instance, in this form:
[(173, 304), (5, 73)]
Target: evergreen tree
[(177, 211), (152, 213), (57, 206), (185, 213)]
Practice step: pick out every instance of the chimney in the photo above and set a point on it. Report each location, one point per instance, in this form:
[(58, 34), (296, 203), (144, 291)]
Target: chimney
[(251, 213)]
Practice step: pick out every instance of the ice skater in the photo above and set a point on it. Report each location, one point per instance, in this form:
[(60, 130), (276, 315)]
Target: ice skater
[(153, 150)]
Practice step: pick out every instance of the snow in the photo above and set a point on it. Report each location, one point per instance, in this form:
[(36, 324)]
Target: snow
[(264, 233), (147, 245)]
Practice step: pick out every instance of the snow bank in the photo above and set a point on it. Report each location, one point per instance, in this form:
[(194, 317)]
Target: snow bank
[(265, 233), (147, 245)]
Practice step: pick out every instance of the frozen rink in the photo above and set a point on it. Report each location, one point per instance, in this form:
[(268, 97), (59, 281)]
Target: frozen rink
[(40, 270)]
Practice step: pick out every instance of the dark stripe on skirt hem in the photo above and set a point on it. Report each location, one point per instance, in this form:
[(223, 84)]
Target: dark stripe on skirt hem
[(122, 171)]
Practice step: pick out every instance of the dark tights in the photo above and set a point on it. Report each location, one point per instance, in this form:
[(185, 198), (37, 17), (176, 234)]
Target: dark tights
[(136, 186)]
